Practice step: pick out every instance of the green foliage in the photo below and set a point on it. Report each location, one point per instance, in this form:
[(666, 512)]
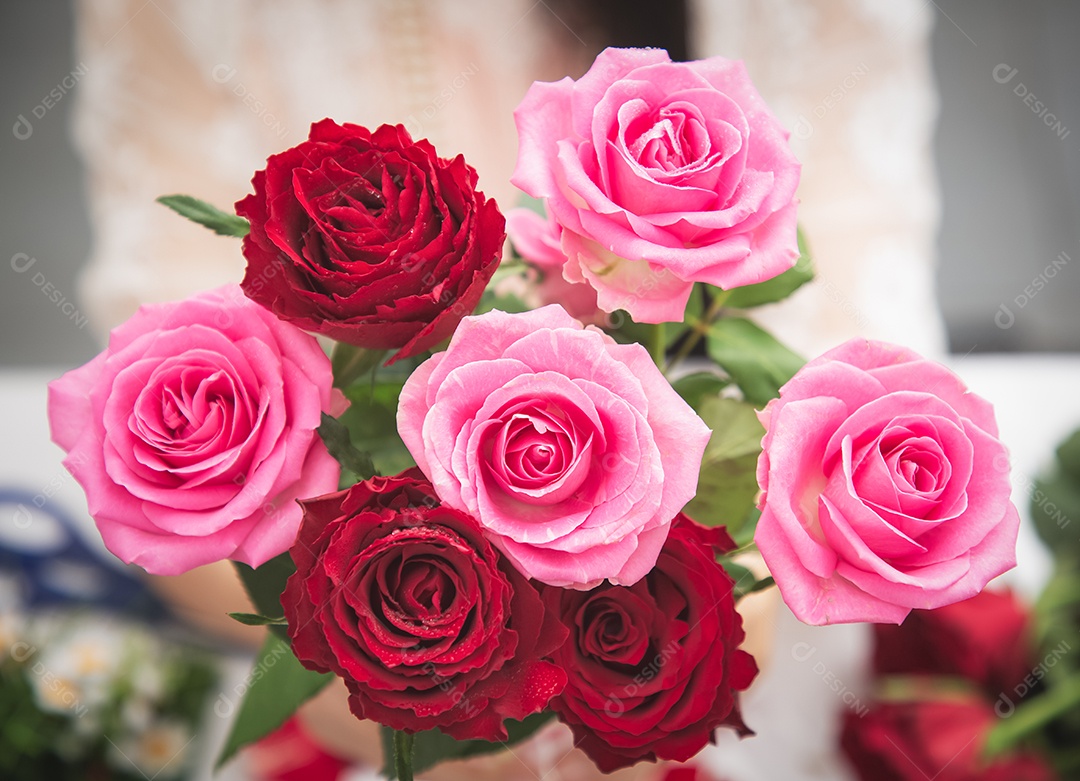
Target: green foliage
[(338, 440), (350, 363), (277, 686), (745, 580), (752, 357), (432, 747), (264, 586), (1047, 716), (727, 485), (253, 619), (1055, 501), (220, 222), (698, 387), (372, 420)]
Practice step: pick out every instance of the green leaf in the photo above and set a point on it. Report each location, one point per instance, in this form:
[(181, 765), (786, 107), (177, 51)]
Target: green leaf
[(727, 484), (1068, 455), (746, 582), (432, 747), (372, 420), (696, 388), (265, 584), (339, 442), (220, 222), (752, 357), (743, 532), (757, 585), (254, 619), (1033, 716), (1056, 613), (277, 686), (737, 572), (1055, 512), (779, 287)]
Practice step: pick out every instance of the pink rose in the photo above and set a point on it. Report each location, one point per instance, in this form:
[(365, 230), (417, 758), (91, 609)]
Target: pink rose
[(661, 174), (571, 450), (537, 241), (885, 487), (193, 433)]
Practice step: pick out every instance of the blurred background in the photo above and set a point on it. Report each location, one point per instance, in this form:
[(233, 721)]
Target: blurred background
[(1006, 148)]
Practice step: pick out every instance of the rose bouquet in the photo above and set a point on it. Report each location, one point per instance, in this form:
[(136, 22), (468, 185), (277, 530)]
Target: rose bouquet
[(547, 463)]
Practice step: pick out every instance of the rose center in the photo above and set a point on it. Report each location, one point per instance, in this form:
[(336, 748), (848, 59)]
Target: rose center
[(534, 449), (539, 457), (187, 411), (918, 470), (427, 589), (671, 142), (612, 634)]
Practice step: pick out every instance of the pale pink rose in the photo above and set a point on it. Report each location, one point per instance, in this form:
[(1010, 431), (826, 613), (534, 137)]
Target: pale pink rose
[(193, 433), (885, 487), (537, 241), (571, 450), (661, 174)]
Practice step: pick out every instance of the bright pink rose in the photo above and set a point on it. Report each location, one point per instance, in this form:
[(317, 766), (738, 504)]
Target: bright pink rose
[(537, 241), (193, 433), (571, 450), (661, 174), (885, 487)]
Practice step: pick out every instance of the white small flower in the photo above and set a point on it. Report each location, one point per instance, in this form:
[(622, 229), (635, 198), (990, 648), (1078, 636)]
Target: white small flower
[(77, 671), (159, 752), (148, 678), (136, 711)]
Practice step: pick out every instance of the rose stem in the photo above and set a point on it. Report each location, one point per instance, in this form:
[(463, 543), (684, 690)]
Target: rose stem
[(699, 328), (1032, 716), (403, 750)]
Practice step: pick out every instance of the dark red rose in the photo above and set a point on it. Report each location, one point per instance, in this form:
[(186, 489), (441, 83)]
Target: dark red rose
[(370, 238), (425, 621), (986, 639), (655, 667), (939, 740)]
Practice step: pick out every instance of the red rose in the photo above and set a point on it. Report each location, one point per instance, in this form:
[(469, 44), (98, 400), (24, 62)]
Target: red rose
[(655, 667), (425, 621), (939, 740), (370, 238), (290, 754), (985, 639)]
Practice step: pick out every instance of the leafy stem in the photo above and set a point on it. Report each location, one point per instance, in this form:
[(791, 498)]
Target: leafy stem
[(699, 328)]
